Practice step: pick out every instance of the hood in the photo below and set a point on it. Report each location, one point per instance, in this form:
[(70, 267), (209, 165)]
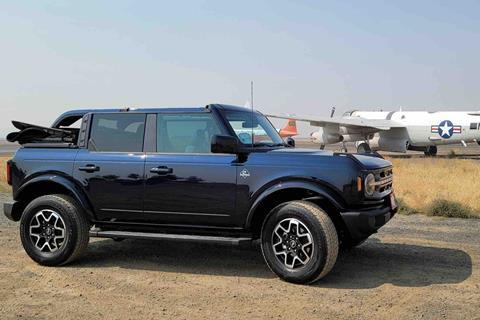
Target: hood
[(366, 161), (371, 162)]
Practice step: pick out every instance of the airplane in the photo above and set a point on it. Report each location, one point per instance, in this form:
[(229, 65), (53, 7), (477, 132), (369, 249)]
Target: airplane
[(289, 130), (394, 131)]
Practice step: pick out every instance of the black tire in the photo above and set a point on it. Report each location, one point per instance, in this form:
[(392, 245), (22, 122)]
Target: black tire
[(324, 248), (363, 148), (72, 219), (431, 151)]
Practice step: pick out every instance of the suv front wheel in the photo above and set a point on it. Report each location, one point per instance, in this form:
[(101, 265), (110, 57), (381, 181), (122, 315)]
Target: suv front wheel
[(299, 242), (54, 230)]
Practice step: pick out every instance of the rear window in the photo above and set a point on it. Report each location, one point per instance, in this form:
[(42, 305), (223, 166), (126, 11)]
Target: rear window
[(120, 132)]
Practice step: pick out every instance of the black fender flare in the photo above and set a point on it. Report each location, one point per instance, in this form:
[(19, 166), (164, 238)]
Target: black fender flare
[(323, 192), (61, 181)]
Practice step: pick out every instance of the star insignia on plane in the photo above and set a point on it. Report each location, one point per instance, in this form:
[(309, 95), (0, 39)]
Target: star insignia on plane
[(446, 129)]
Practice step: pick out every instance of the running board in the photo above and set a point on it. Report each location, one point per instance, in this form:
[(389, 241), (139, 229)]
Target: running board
[(169, 236)]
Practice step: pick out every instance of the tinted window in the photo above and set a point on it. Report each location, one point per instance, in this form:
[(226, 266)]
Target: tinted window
[(185, 133), (473, 126), (119, 132)]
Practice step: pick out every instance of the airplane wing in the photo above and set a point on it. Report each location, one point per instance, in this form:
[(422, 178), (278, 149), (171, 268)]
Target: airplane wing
[(350, 122)]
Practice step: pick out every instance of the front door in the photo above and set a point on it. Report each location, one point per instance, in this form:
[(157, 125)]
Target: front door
[(111, 170), (185, 183)]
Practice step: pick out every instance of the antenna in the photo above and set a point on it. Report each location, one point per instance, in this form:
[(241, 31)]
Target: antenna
[(333, 112), (251, 97)]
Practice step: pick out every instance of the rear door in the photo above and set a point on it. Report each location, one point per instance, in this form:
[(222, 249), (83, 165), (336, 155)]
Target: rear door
[(111, 169), (185, 183)]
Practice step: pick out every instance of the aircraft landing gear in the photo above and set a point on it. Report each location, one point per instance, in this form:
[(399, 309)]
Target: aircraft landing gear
[(431, 151), (363, 148), (322, 147)]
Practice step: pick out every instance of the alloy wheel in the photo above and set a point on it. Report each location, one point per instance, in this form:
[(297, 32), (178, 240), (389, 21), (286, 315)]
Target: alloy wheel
[(47, 231), (292, 243)]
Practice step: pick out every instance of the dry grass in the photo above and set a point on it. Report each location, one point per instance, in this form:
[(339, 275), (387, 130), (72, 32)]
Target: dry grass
[(421, 183), (4, 187)]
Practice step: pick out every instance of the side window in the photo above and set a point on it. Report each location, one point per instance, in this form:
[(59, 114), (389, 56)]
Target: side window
[(473, 126), (185, 133), (117, 132)]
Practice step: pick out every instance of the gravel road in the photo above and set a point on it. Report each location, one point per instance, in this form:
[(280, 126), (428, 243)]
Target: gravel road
[(416, 267)]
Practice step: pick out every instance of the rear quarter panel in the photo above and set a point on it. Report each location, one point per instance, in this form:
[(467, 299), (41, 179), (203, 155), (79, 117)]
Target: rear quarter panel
[(29, 163)]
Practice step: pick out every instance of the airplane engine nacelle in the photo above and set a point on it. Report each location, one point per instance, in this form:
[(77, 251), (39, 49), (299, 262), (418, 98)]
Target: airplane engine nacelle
[(323, 137), (354, 137), (385, 143)]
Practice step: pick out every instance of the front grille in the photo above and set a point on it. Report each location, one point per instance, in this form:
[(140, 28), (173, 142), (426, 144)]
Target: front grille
[(384, 182)]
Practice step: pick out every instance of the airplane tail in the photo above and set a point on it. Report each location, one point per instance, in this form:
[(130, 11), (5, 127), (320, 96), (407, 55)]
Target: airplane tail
[(290, 129)]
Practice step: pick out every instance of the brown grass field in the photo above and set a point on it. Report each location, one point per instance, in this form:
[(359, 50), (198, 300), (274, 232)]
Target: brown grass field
[(4, 187), (418, 182)]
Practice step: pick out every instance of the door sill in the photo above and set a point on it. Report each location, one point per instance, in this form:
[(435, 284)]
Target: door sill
[(114, 234)]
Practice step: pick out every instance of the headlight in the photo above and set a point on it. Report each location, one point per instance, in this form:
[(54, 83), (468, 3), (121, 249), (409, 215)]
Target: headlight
[(370, 184)]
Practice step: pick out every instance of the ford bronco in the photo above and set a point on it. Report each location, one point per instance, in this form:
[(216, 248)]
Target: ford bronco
[(218, 174)]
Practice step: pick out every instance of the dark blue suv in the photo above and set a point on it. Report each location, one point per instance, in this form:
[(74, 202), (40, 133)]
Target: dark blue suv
[(214, 174)]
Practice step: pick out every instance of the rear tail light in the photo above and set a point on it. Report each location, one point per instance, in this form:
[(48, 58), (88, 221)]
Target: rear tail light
[(9, 173)]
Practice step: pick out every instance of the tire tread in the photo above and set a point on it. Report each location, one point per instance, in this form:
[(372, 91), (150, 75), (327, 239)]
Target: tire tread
[(77, 216), (330, 235)]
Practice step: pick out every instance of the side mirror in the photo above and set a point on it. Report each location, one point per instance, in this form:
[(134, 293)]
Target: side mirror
[(290, 142), (224, 144)]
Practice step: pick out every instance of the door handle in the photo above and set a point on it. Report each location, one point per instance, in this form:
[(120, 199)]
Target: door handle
[(161, 170), (89, 168)]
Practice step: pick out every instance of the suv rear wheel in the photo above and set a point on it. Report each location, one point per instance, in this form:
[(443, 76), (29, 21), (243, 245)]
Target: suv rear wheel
[(299, 242), (54, 230)]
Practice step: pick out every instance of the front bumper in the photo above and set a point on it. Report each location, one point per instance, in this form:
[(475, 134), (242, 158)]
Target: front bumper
[(363, 223)]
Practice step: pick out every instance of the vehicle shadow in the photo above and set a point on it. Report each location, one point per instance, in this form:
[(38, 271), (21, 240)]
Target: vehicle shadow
[(375, 263), (178, 257), (368, 266)]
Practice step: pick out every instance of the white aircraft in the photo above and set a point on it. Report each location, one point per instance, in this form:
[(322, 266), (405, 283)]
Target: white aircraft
[(396, 131)]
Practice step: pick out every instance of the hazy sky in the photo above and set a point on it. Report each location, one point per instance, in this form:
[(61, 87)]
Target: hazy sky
[(304, 56)]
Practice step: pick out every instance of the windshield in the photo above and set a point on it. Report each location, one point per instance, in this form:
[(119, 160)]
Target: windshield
[(253, 127)]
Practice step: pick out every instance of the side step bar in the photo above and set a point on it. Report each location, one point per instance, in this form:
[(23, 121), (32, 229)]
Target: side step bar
[(96, 233)]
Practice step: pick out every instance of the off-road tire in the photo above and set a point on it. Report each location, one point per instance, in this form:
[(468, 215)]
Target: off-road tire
[(76, 229), (323, 233)]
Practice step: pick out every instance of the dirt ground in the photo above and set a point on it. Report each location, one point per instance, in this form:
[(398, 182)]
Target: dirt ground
[(417, 267)]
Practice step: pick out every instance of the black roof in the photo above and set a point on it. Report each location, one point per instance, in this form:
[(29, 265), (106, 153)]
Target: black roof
[(71, 116)]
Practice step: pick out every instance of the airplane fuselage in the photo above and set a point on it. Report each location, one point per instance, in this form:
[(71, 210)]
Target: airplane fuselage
[(423, 128)]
